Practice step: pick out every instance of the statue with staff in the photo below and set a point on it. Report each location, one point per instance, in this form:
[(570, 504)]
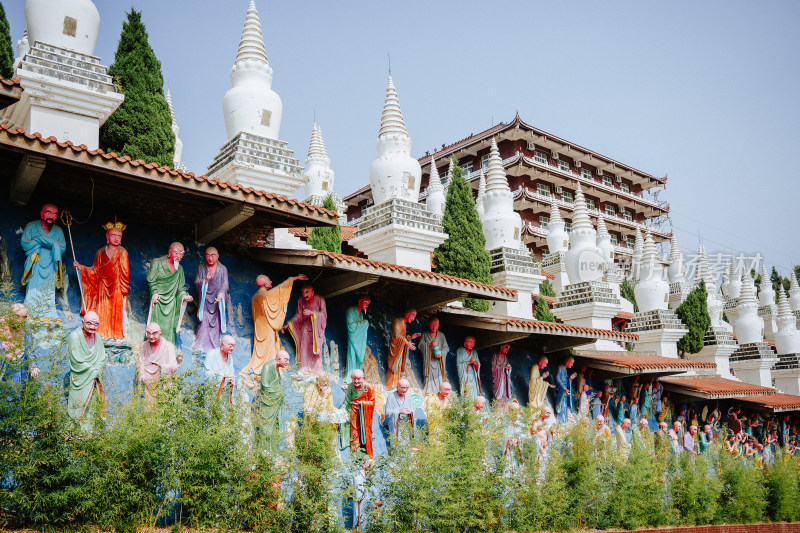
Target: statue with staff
[(168, 297), (105, 284)]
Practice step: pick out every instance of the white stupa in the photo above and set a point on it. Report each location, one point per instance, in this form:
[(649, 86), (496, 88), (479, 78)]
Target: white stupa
[(754, 358), (66, 93), (584, 258), (735, 281), (786, 372), (794, 291), (554, 262), (638, 246), (254, 156), (501, 223), (318, 173), (448, 178), (177, 158), (651, 292), (481, 194), (767, 308), (397, 229), (435, 199), (678, 288), (604, 241)]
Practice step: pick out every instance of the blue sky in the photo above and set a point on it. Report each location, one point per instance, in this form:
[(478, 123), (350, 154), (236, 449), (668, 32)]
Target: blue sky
[(705, 92)]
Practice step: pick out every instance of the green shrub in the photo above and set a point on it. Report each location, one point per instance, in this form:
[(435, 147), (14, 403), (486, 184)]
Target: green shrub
[(743, 499), (783, 493), (694, 489)]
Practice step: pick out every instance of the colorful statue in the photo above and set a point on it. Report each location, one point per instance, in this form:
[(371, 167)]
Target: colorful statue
[(87, 358), (269, 313), (106, 283), (272, 397), (307, 327), (359, 400), (168, 295), (501, 375), (157, 359), (357, 327), (211, 284), (43, 243), (539, 383), (219, 364), (434, 407), (433, 347), (564, 390), (469, 368), (399, 345), (402, 417)]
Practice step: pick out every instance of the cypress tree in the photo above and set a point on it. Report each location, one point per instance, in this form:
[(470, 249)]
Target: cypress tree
[(464, 253), (693, 312), (6, 51), (546, 289), (542, 311), (328, 239), (141, 126), (626, 290)]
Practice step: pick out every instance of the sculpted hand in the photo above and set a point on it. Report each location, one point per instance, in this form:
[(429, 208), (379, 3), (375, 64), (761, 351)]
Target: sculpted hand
[(414, 336), (573, 375), (75, 264), (432, 344), (187, 298), (301, 277), (405, 411), (156, 297), (34, 371), (551, 385), (308, 312), (219, 297), (544, 376), (410, 345)]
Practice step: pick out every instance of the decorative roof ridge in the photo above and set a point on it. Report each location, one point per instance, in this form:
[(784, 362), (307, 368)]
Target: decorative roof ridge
[(5, 130)]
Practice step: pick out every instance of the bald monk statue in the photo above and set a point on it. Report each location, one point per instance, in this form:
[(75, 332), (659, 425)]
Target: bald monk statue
[(157, 360), (168, 296), (87, 358), (211, 284)]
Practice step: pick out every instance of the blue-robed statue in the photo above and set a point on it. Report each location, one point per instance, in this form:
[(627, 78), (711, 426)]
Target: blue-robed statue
[(43, 243), (564, 390), (357, 329)]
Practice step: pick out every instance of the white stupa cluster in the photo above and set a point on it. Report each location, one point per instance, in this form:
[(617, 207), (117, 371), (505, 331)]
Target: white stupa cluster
[(68, 94)]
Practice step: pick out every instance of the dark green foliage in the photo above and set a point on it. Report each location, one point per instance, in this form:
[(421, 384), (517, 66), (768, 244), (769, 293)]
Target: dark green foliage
[(756, 278), (543, 312), (315, 477), (262, 506), (584, 476), (783, 492), (743, 498), (693, 312), (141, 126), (779, 283), (6, 50), (328, 239), (464, 253), (637, 497), (694, 489), (626, 290), (546, 289)]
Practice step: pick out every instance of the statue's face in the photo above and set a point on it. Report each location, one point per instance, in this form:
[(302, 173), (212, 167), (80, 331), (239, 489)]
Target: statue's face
[(410, 316), (433, 326), (569, 362), (153, 334), (358, 379), (226, 346), (212, 256), (90, 323), (176, 253), (469, 343), (444, 389), (308, 294), (402, 388), (363, 303), (282, 360), (49, 214), (113, 237), (264, 281), (542, 362), (505, 348)]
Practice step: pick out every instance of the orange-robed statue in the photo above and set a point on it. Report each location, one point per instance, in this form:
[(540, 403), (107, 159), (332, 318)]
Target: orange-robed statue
[(106, 283)]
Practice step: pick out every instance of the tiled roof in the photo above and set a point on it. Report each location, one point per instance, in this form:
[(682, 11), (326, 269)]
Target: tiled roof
[(643, 361), (776, 402), (548, 275), (549, 299), (334, 259), (718, 387), (623, 314), (304, 232), (568, 328), (13, 82), (50, 146), (10, 92)]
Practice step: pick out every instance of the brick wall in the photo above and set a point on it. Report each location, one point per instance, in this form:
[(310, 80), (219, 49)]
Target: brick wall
[(780, 527)]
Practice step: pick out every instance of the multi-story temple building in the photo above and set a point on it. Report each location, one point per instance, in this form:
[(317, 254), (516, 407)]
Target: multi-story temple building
[(543, 170)]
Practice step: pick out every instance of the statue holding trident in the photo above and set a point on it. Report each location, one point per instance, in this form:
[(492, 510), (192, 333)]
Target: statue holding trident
[(168, 297)]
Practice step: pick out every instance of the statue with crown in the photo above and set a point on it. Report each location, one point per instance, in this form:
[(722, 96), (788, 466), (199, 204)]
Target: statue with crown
[(105, 284)]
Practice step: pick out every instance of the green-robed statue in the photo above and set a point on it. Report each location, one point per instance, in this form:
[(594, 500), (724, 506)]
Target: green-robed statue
[(272, 396), (87, 357), (167, 291)]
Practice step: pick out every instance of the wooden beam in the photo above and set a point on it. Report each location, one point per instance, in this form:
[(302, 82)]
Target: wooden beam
[(345, 283), (435, 298), (27, 177), (222, 222), (496, 338)]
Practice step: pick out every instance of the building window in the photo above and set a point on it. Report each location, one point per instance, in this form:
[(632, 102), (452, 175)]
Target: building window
[(467, 168), (540, 157), (614, 239), (485, 162), (544, 221), (610, 210), (568, 226), (586, 174), (608, 181), (543, 189), (591, 203), (563, 165), (567, 197), (624, 187), (627, 215), (631, 241)]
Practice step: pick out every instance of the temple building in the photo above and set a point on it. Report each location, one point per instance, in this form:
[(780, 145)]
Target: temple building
[(544, 171)]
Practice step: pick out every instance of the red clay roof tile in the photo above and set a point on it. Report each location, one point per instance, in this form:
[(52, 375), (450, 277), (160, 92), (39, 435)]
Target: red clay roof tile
[(641, 361), (718, 386)]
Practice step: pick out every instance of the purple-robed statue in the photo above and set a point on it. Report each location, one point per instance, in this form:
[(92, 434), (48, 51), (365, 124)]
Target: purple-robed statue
[(307, 327), (211, 284), (501, 375)]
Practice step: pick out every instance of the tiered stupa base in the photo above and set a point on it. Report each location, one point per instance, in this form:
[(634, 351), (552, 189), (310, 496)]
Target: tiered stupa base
[(769, 313), (515, 269), (752, 363), (399, 232), (718, 347), (555, 265), (678, 292), (786, 373), (659, 331), (589, 304), (258, 162)]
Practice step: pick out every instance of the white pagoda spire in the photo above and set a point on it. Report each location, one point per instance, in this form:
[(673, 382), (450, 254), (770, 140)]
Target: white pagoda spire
[(481, 194), (735, 280), (604, 240), (320, 177), (584, 259), (766, 296), (651, 292), (251, 106), (748, 326), (178, 155), (787, 338), (675, 271), (448, 178), (395, 174), (794, 291), (435, 200), (501, 224), (638, 246), (557, 237)]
